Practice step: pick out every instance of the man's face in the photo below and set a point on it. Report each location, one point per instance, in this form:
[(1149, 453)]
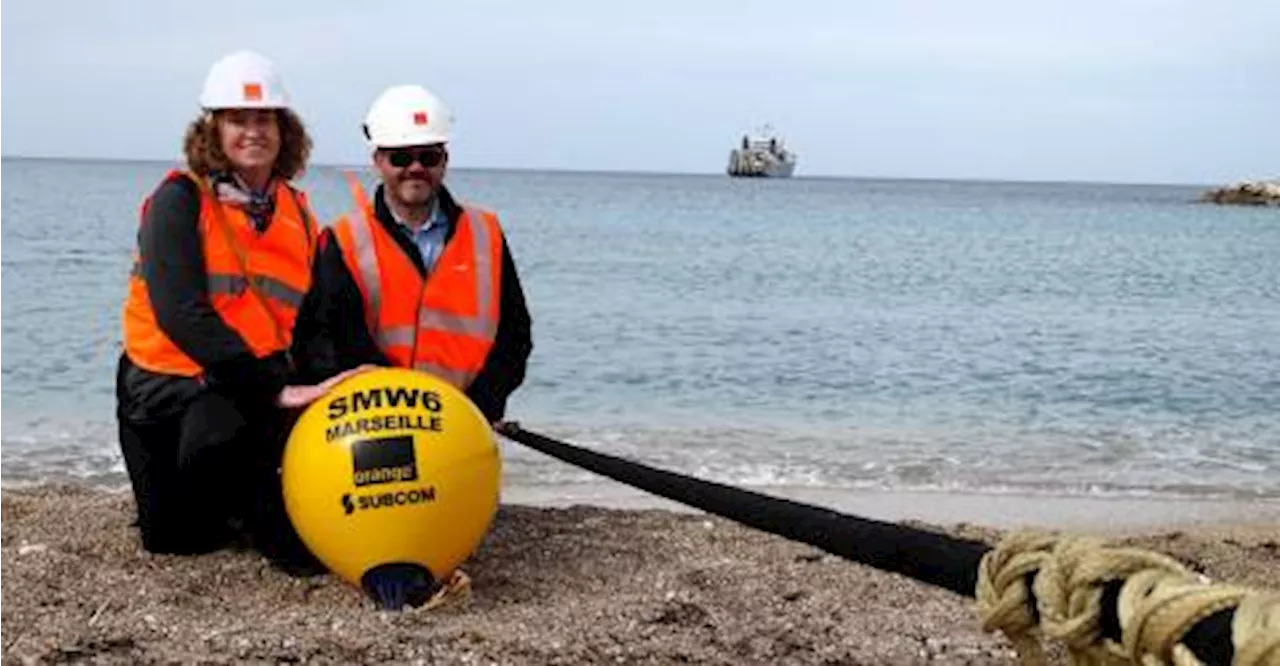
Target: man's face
[(412, 174)]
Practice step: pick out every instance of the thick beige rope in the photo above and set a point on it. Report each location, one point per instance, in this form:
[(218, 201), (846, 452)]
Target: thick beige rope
[(1160, 600), (1004, 595), (454, 590), (1069, 590), (1256, 629)]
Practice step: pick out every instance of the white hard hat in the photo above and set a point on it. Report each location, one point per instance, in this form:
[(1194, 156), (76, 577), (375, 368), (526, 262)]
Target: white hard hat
[(244, 80), (407, 116)]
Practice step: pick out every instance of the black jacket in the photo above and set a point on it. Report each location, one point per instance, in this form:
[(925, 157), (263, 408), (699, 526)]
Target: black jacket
[(332, 336), (172, 263)]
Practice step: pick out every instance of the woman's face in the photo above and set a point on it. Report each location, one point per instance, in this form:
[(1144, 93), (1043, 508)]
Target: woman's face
[(250, 138)]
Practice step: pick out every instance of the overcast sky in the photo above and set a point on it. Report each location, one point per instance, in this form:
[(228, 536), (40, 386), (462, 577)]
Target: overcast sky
[(1170, 91)]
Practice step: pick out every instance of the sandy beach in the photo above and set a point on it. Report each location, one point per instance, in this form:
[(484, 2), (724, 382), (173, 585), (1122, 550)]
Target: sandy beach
[(551, 585)]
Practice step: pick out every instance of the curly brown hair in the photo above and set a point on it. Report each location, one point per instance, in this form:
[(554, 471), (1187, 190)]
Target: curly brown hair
[(204, 151)]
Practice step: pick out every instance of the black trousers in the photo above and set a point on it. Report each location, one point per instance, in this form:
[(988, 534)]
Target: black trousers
[(203, 470)]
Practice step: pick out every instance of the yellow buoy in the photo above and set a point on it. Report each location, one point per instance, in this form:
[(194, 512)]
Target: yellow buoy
[(393, 469)]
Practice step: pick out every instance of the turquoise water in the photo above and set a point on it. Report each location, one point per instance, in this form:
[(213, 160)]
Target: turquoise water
[(820, 333)]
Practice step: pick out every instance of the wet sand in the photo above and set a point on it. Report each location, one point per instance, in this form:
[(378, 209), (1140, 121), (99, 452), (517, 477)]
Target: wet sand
[(555, 584)]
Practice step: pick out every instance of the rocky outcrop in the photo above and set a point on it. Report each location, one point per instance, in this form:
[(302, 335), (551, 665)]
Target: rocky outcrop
[(1250, 193)]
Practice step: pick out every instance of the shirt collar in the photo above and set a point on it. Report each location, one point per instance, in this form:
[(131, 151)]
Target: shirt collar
[(435, 216)]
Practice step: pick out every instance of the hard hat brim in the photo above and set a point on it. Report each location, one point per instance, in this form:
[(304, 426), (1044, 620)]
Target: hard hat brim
[(244, 105), (406, 143)]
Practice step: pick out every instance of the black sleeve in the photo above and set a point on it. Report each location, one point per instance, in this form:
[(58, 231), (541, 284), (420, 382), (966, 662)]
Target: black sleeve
[(172, 257), (331, 335), (504, 370)]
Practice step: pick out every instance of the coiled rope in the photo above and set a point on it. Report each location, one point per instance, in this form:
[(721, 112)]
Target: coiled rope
[(1034, 584), (1108, 605)]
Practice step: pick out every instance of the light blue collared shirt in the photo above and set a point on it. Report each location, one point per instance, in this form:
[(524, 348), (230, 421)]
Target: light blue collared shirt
[(430, 237)]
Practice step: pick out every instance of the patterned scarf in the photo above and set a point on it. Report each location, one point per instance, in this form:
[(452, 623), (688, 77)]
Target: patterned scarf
[(259, 206)]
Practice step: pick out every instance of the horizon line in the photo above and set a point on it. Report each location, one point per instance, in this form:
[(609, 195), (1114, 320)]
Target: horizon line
[(641, 172)]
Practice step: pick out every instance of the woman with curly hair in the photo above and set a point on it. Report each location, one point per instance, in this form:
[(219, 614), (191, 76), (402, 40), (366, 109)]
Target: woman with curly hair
[(225, 249)]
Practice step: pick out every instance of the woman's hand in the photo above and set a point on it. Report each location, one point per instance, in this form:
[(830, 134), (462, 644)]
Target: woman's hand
[(294, 397)]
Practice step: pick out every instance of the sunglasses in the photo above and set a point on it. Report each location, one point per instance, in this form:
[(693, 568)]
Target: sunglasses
[(402, 158)]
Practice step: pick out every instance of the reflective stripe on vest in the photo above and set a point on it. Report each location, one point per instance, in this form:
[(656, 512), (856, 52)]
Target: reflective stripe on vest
[(479, 326), (270, 287), (455, 377), (482, 325), (367, 260), (235, 285)]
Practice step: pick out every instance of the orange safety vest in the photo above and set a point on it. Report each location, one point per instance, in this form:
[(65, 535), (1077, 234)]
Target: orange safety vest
[(444, 324), (256, 280)]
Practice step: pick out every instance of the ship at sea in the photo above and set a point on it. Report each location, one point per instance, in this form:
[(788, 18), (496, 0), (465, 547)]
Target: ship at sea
[(762, 154)]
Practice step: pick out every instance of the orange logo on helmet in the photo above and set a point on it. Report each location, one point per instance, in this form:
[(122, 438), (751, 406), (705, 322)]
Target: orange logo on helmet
[(253, 92), (420, 118)]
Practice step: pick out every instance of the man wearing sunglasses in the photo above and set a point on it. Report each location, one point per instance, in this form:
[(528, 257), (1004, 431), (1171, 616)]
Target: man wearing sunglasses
[(412, 278)]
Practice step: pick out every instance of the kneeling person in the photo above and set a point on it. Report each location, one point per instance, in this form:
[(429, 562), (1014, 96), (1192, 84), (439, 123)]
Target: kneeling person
[(413, 279)]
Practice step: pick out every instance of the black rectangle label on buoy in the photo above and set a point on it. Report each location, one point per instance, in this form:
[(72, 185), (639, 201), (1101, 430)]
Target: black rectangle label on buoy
[(384, 460)]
